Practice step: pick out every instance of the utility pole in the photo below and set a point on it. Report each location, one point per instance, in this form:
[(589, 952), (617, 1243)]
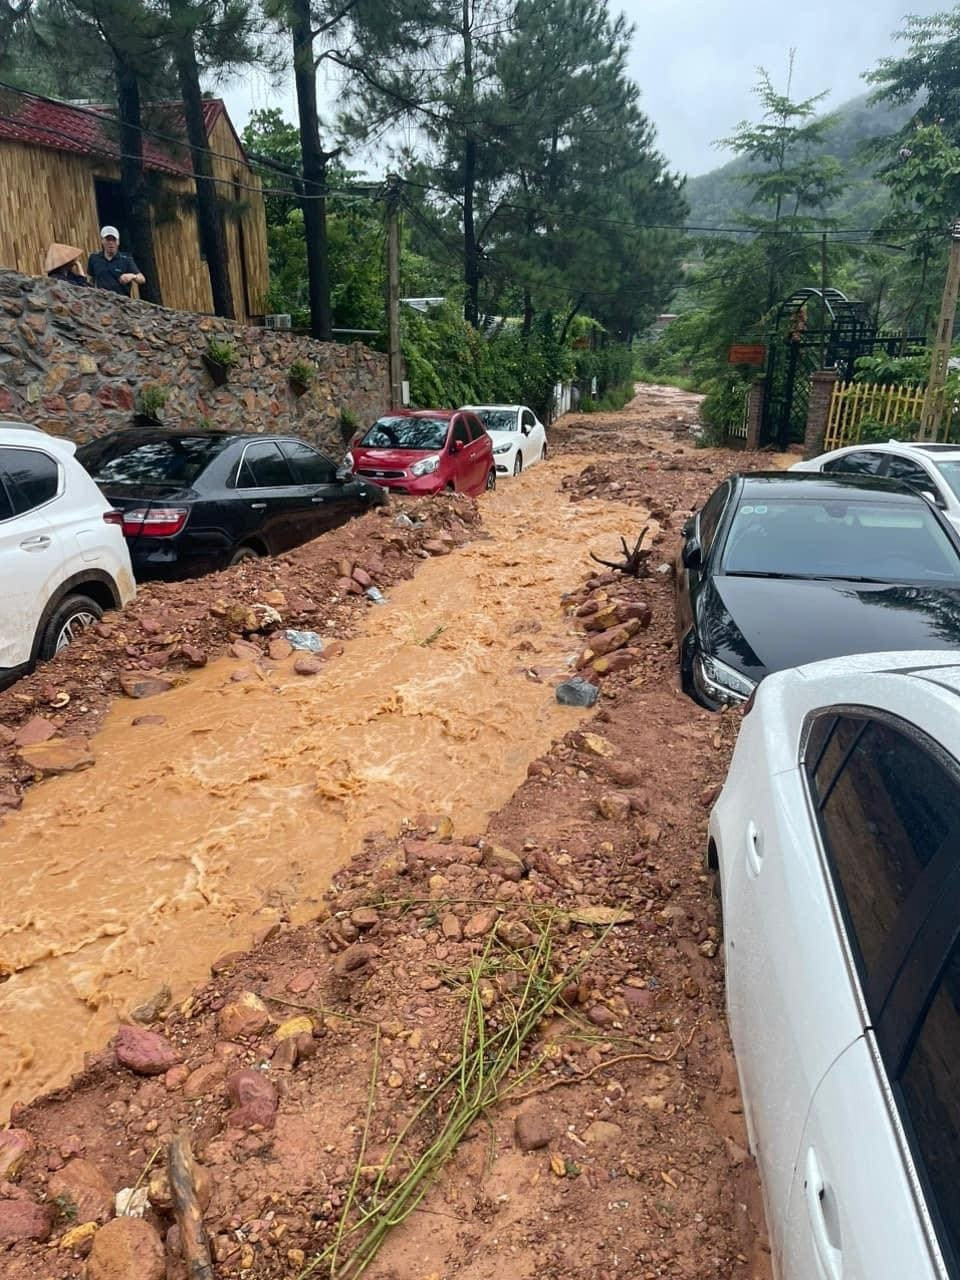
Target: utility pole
[(931, 417), (394, 355)]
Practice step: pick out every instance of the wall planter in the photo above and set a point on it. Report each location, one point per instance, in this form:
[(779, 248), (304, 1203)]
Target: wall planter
[(218, 359), (218, 372), (301, 376)]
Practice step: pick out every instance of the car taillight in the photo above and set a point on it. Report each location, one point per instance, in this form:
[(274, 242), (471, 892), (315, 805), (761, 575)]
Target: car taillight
[(156, 522), (113, 517)]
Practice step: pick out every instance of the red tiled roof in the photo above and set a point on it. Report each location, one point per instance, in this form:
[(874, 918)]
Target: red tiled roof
[(93, 131)]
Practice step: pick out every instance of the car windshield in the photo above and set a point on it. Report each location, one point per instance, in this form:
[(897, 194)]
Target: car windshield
[(407, 433), (951, 473), (851, 539), (134, 460), (499, 419)]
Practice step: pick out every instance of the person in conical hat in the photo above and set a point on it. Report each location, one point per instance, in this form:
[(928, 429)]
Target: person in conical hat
[(65, 262)]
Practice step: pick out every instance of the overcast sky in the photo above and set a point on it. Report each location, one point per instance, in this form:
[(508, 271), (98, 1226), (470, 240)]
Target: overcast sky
[(696, 63)]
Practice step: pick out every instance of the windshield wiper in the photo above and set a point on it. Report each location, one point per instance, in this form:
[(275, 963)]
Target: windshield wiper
[(762, 573)]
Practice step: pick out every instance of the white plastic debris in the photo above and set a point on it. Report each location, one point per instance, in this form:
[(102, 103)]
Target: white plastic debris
[(308, 640)]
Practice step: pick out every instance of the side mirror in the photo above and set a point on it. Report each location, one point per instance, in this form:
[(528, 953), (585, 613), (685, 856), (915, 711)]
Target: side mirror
[(692, 555), (525, 429), (688, 526), (457, 446), (935, 498), (344, 474)]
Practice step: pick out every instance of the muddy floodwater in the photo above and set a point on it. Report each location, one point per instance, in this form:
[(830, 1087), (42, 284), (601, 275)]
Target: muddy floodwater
[(187, 838)]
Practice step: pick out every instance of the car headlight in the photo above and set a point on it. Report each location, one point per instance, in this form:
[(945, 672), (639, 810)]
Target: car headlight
[(348, 460), (502, 448), (720, 682), (426, 466)]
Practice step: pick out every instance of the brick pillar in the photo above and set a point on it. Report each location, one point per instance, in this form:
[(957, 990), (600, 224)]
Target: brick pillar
[(755, 413), (818, 408)]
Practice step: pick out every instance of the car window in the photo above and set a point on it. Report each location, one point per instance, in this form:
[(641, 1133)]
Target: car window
[(474, 429), (910, 472), (460, 431), (929, 1087), (263, 467), (863, 462), (139, 458), (31, 477), (6, 506), (308, 465), (407, 433), (950, 471), (710, 516), (527, 418), (886, 806), (499, 419)]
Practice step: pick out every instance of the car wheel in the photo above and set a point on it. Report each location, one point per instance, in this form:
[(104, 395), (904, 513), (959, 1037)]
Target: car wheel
[(491, 479), (74, 615), (243, 554), (517, 465)]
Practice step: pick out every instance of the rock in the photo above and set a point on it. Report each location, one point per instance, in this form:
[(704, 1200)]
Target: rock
[(136, 684), (224, 963), (147, 1053), (79, 1239), (301, 982), (577, 692), (593, 744), (361, 576), (504, 861), (205, 1079), (709, 794), (515, 934), (160, 1196), (355, 961), (623, 775), (36, 729), (58, 755), (534, 1127), (175, 1077), (193, 655), (308, 664), (10, 798), (127, 1249), (81, 1184), (614, 806), (600, 1015), (293, 1027), (639, 999), (275, 598), (140, 720), (622, 660), (480, 924), (451, 928), (246, 1016), (151, 1009), (131, 1202), (285, 1055), (365, 917), (437, 548), (708, 949), (255, 1100), (602, 1133), (601, 916), (26, 1220), (16, 1146), (607, 641), (246, 651), (279, 648)]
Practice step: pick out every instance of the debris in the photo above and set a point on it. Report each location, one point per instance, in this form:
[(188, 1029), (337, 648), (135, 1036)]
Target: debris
[(634, 562), (577, 692), (194, 1244), (437, 631), (308, 640), (131, 1202), (137, 685), (146, 1053), (601, 916), (376, 595)]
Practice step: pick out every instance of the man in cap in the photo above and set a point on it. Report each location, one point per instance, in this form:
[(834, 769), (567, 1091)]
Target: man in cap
[(111, 269)]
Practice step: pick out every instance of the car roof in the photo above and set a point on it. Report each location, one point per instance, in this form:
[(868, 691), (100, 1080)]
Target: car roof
[(29, 436), (814, 485), (474, 408), (419, 413), (154, 434), (907, 447)]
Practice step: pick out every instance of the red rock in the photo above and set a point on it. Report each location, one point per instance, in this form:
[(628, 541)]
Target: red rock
[(58, 755), (600, 1015), (451, 928), (504, 861), (480, 923), (279, 648), (223, 964), (81, 1184), (25, 1220), (355, 960), (10, 798), (193, 655), (301, 982), (639, 999), (36, 729), (246, 1016), (246, 650), (308, 664), (361, 576), (255, 1100), (286, 1054), (622, 660), (136, 684), (436, 547), (147, 1053), (365, 917), (204, 1080), (624, 775), (16, 1146), (534, 1127), (127, 1249), (175, 1077), (709, 794)]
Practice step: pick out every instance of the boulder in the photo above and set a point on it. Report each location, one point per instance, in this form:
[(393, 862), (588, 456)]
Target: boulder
[(81, 1184), (25, 1220), (255, 1100), (16, 1146), (147, 1053), (137, 684), (127, 1249), (58, 755), (245, 1017)]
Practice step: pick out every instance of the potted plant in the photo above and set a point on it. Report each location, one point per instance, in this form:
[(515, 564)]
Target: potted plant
[(219, 358), (148, 402), (301, 376)]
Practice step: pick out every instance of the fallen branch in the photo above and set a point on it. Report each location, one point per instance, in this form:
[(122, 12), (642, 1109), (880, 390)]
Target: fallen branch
[(194, 1244), (634, 562)]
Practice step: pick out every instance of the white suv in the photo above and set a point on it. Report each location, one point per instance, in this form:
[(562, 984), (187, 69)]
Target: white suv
[(63, 557)]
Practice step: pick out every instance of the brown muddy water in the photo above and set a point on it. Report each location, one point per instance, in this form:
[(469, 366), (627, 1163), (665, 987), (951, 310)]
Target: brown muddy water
[(187, 838)]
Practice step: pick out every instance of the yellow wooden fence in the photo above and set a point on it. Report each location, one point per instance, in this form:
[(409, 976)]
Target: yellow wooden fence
[(853, 405)]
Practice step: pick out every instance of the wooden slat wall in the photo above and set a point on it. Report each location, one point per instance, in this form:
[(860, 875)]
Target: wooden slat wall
[(49, 195)]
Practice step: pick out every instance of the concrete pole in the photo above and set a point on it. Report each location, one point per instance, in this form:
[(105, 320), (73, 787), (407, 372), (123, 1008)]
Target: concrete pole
[(931, 418), (394, 354)]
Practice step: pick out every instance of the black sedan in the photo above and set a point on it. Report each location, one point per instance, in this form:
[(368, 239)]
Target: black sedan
[(784, 568), (194, 501)]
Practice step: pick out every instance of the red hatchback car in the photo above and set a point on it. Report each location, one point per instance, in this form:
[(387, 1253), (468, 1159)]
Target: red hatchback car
[(425, 451)]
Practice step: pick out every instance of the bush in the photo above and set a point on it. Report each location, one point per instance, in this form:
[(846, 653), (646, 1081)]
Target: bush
[(224, 354), (150, 399), (724, 407), (302, 372)]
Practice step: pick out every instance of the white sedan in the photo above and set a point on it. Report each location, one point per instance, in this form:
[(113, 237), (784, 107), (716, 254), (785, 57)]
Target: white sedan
[(837, 836), (934, 469), (519, 437)]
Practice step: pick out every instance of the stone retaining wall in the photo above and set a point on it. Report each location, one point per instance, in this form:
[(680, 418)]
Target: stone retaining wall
[(74, 362)]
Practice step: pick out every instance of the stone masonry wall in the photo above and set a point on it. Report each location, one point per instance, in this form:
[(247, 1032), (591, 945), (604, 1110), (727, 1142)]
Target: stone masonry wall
[(73, 360)]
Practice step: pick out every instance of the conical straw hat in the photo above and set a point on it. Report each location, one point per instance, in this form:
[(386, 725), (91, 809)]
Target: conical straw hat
[(59, 255)]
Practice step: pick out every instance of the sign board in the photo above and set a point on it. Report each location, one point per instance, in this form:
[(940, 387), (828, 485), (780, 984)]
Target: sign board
[(756, 354)]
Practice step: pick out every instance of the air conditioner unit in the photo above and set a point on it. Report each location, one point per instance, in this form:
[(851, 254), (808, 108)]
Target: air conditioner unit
[(279, 321)]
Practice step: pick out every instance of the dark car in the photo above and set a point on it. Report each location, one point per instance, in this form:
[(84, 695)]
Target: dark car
[(194, 501), (784, 568)]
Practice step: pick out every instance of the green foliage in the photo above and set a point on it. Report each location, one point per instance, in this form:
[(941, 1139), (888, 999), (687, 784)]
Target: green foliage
[(224, 354), (910, 370), (302, 372), (150, 399), (349, 423), (725, 403)]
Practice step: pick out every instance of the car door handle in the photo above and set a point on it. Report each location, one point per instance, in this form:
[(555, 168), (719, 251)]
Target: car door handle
[(754, 849), (39, 543), (815, 1191), (318, 498), (258, 506)]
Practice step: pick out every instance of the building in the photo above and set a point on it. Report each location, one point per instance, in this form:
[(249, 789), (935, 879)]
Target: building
[(60, 181)]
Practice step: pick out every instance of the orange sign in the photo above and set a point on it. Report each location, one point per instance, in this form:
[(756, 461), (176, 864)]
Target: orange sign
[(747, 354)]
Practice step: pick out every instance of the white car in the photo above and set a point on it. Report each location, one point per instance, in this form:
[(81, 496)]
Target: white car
[(837, 836), (519, 437), (63, 557), (934, 469)]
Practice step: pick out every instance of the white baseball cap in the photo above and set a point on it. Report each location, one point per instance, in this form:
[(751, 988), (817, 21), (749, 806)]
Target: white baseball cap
[(109, 231)]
